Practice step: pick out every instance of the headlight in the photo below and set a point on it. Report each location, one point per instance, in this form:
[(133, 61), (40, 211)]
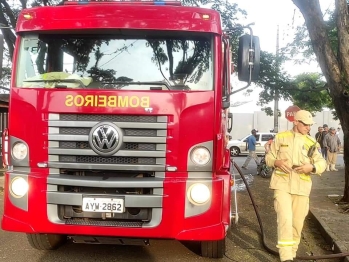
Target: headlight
[(19, 151), (198, 194), (200, 156), (19, 187)]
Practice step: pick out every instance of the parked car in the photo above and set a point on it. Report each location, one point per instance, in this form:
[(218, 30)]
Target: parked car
[(239, 146)]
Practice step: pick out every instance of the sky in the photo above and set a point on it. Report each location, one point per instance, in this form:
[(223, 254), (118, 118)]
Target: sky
[(267, 16)]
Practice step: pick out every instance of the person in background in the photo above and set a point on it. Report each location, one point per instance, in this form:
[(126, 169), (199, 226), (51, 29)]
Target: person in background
[(332, 143), (267, 145), (323, 148), (294, 161), (318, 136), (251, 146), (338, 131)]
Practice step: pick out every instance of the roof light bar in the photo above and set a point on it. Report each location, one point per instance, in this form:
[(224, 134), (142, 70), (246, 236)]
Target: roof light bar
[(129, 2)]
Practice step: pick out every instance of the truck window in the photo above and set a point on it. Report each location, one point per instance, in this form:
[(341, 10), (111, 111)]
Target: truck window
[(114, 62)]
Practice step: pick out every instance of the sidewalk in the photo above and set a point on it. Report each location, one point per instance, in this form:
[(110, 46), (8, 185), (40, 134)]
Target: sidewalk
[(333, 224)]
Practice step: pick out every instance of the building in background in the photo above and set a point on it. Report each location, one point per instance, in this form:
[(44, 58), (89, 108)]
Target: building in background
[(243, 123)]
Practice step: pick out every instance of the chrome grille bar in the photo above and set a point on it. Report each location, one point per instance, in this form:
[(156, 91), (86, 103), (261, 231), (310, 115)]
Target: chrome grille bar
[(139, 130)]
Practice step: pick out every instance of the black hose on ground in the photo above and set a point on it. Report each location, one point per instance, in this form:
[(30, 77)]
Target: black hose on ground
[(270, 250)]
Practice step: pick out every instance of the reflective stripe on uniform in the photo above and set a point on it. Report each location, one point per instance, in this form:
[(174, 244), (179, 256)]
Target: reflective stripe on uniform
[(285, 243), (302, 176), (285, 134), (280, 173), (305, 177)]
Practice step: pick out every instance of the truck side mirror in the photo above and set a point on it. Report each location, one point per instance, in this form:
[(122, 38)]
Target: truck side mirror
[(248, 58)]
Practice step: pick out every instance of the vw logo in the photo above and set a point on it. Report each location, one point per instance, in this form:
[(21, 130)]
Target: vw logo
[(105, 139)]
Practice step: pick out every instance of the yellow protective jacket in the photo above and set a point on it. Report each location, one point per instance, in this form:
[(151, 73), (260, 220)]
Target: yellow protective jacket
[(294, 148)]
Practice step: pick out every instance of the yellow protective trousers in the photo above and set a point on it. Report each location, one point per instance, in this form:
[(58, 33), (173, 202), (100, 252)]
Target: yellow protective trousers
[(291, 211)]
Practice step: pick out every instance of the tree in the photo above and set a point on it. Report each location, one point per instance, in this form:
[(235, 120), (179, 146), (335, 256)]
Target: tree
[(5, 80), (307, 90), (272, 79), (311, 93), (333, 61), (8, 20)]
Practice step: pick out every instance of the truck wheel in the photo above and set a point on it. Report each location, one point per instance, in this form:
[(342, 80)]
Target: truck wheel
[(234, 151), (213, 249), (46, 241)]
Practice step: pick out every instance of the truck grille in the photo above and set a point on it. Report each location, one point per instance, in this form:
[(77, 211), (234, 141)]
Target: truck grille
[(135, 172), (108, 160), (143, 145)]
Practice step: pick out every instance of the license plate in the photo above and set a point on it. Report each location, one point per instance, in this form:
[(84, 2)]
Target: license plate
[(108, 205)]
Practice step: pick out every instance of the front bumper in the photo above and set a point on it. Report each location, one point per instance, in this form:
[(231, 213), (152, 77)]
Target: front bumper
[(172, 217)]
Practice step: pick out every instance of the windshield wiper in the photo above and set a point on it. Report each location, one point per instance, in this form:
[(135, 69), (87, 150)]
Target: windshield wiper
[(124, 83)]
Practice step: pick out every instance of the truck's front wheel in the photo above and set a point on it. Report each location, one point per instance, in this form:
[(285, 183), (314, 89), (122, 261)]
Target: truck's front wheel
[(46, 241), (213, 249)]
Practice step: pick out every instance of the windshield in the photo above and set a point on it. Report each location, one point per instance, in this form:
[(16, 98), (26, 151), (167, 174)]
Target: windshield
[(116, 62)]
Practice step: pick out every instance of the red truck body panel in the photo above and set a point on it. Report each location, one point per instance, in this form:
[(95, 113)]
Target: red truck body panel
[(150, 17), (193, 117)]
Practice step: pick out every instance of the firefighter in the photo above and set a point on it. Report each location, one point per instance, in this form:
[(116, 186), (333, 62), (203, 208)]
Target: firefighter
[(295, 156)]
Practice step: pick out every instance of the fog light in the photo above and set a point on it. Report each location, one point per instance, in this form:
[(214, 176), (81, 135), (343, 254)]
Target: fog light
[(19, 187), (19, 151), (200, 156), (198, 194)]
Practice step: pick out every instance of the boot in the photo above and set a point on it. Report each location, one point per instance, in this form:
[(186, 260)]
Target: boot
[(333, 167), (328, 168)]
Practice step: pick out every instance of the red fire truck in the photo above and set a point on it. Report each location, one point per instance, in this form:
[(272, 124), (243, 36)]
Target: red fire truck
[(117, 124)]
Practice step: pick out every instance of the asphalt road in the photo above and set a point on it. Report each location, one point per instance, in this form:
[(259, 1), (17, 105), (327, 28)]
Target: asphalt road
[(243, 242)]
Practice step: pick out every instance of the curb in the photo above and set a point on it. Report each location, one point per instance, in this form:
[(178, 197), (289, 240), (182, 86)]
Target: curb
[(329, 236)]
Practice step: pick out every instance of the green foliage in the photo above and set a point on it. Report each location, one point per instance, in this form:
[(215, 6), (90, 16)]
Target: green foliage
[(305, 90), (302, 42), (269, 111), (273, 80), (311, 93), (231, 15), (5, 79)]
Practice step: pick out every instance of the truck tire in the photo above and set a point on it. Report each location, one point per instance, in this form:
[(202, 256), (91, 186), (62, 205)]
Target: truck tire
[(213, 249), (46, 241)]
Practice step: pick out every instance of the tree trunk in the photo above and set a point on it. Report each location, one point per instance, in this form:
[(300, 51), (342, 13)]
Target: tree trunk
[(341, 105), (335, 68), (346, 161)]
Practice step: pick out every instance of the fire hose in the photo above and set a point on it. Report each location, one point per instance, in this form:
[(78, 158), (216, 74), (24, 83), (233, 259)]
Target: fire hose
[(270, 250)]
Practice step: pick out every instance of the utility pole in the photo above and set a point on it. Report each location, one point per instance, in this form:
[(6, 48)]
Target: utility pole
[(276, 92)]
